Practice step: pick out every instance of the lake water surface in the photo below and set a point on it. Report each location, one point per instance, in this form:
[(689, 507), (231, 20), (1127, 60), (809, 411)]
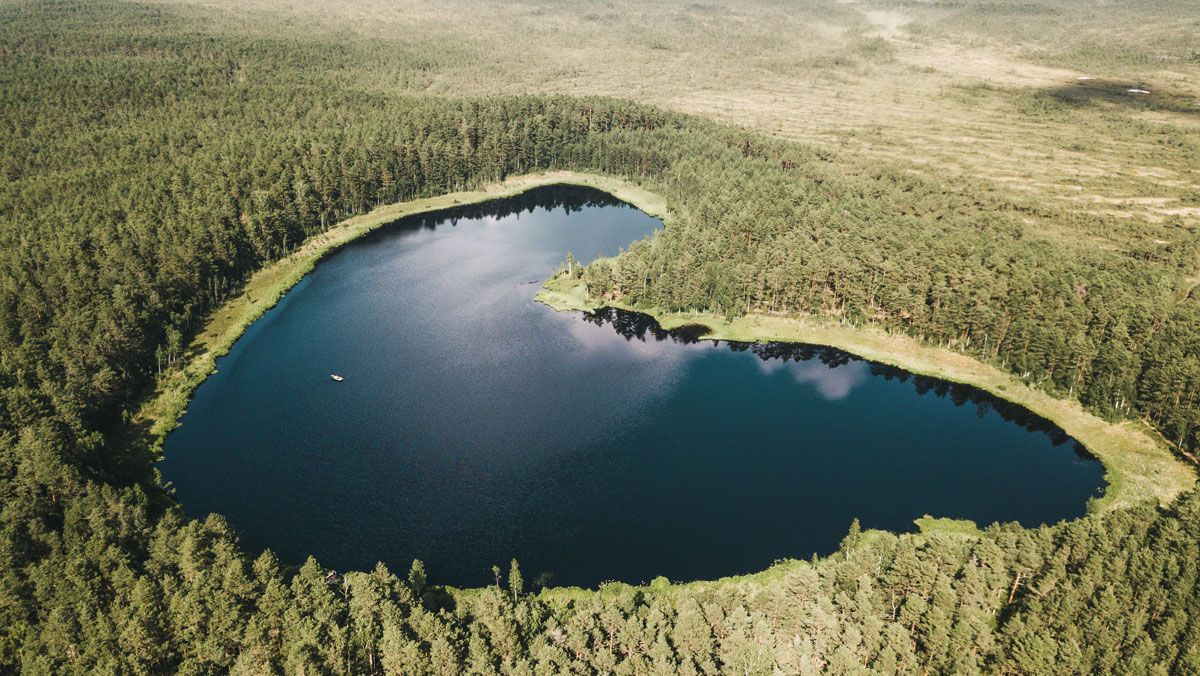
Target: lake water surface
[(475, 425)]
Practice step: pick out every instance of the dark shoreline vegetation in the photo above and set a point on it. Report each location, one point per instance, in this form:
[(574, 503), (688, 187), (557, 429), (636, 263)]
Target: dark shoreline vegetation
[(626, 468), (569, 198), (637, 325), (148, 168)]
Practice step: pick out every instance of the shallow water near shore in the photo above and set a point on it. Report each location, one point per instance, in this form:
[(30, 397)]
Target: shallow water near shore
[(474, 425)]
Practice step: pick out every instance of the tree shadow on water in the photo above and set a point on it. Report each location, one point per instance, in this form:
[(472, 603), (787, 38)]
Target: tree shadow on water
[(641, 326)]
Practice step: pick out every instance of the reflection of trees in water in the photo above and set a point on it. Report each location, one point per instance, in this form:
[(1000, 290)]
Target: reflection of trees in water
[(571, 198), (632, 325), (984, 402), (637, 325), (799, 352)]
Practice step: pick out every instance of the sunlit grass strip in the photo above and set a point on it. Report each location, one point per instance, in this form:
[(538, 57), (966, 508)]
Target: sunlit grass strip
[(1139, 465), (166, 404)]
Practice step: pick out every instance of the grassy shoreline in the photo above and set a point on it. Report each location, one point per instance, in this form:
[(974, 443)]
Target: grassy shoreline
[(1139, 465), (162, 408)]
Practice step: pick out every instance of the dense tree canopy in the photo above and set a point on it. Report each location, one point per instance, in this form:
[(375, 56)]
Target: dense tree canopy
[(148, 169)]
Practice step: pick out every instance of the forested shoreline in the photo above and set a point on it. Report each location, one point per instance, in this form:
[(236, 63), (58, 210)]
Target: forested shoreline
[(148, 168)]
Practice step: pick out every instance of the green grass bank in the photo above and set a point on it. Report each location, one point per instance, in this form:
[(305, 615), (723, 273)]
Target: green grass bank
[(1139, 465), (162, 408)]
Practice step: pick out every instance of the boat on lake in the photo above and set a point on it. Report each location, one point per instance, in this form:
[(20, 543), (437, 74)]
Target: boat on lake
[(336, 377)]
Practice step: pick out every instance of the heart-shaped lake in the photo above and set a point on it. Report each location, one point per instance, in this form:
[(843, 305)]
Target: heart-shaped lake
[(474, 425)]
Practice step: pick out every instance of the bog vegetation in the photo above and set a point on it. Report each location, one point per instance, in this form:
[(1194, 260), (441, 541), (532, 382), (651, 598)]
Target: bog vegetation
[(153, 155)]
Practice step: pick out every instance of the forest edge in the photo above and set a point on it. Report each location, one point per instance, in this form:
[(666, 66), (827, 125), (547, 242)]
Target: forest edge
[(1139, 464)]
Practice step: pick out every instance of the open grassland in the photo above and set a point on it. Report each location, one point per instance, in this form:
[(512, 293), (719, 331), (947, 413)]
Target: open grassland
[(973, 89), (958, 180)]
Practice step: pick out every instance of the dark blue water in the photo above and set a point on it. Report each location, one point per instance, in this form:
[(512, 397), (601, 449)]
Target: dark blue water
[(476, 425)]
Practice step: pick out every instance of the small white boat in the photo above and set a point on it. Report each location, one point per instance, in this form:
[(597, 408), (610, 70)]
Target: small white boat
[(336, 377)]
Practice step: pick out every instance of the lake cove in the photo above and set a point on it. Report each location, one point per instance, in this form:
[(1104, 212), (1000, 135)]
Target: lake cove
[(475, 425)]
